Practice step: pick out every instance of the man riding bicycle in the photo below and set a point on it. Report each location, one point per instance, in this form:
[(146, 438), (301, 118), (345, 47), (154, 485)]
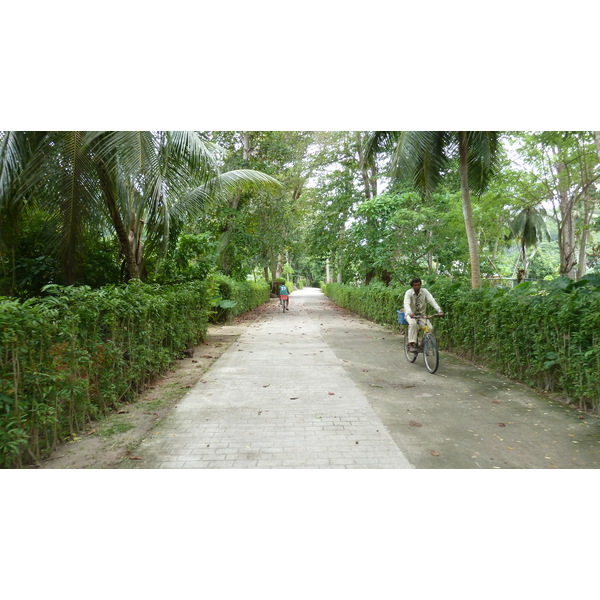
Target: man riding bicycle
[(415, 303), (284, 295)]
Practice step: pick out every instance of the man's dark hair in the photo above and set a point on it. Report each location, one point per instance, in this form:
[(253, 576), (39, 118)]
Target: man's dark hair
[(415, 280)]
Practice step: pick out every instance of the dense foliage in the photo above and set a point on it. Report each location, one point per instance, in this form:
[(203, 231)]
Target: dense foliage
[(545, 335), (234, 298), (72, 355), (197, 215)]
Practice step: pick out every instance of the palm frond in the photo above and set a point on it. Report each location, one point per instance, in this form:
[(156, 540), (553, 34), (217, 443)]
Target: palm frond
[(379, 141), (19, 153), (421, 156), (483, 158), (11, 157), (133, 152), (529, 227), (225, 185)]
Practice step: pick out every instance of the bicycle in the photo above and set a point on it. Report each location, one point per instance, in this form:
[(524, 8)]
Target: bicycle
[(285, 300), (426, 342)]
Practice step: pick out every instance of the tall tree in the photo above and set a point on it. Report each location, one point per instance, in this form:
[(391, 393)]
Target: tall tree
[(269, 216), (564, 166), (425, 157), (528, 228), (139, 184)]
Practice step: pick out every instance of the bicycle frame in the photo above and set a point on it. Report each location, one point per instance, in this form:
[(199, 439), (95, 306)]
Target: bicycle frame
[(426, 344)]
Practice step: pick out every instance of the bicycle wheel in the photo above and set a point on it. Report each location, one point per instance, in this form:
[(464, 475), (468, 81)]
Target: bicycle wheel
[(431, 354), (410, 356), (283, 305)]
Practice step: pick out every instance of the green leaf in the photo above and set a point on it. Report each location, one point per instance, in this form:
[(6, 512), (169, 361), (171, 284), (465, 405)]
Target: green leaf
[(226, 303)]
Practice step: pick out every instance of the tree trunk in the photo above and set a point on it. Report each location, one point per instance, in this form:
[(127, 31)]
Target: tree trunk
[(128, 244), (246, 145), (224, 258), (588, 213), (273, 267), (367, 180), (566, 229), (468, 211), (279, 271), (597, 140), (223, 254)]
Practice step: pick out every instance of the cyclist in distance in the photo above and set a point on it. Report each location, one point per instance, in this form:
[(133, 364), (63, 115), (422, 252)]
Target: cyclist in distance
[(415, 303), (283, 291)]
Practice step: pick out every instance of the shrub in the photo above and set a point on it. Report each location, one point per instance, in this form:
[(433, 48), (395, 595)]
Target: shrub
[(544, 335), (71, 356), (232, 297)]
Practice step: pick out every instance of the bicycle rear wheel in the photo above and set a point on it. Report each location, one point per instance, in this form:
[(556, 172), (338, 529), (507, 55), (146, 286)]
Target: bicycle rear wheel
[(431, 354), (410, 356)]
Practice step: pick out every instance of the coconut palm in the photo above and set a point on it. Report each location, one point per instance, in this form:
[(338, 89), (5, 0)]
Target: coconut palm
[(425, 157), (528, 228), (139, 185)]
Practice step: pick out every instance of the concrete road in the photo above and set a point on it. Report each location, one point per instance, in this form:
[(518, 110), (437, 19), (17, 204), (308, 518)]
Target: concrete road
[(319, 387)]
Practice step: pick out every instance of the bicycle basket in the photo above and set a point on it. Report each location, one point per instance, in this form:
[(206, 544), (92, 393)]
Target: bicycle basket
[(401, 318)]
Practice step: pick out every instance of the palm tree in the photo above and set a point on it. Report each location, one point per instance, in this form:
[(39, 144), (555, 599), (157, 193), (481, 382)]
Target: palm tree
[(425, 157), (140, 185), (528, 228)]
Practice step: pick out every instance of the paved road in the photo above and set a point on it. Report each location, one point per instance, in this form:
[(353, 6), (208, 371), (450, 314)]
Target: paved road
[(319, 387)]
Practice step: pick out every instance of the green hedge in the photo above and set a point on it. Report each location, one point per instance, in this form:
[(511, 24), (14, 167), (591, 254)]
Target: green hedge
[(71, 356), (543, 335), (233, 298)]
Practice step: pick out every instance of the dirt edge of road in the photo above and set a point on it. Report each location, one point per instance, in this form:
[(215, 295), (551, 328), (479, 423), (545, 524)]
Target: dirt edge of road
[(113, 439)]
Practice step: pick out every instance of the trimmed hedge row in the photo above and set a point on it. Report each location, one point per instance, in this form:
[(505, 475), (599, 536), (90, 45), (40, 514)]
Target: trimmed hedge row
[(234, 298), (544, 336), (70, 357)]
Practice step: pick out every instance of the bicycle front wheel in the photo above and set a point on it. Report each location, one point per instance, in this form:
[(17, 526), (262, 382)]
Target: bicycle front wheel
[(410, 356), (431, 354)]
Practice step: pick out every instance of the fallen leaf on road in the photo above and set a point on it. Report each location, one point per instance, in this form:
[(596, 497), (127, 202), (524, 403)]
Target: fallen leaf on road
[(331, 393), (294, 398), (434, 453), (502, 424), (415, 424), (122, 412), (135, 458)]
